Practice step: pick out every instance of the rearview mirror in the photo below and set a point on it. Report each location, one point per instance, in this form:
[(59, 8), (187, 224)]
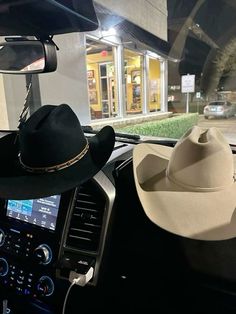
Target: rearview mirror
[(22, 56)]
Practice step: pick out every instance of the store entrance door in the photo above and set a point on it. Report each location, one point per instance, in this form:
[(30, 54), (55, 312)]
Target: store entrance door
[(108, 97)]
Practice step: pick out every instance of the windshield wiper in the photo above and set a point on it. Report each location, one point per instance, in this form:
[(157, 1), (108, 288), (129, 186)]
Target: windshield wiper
[(134, 137)]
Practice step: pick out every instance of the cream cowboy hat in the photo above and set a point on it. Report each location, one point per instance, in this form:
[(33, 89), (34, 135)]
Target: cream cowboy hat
[(189, 190)]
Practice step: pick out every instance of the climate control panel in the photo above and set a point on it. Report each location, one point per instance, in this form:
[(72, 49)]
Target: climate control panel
[(27, 264), (25, 245), (24, 282)]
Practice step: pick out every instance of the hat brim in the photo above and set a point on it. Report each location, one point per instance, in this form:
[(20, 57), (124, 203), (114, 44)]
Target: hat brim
[(17, 183), (191, 214)]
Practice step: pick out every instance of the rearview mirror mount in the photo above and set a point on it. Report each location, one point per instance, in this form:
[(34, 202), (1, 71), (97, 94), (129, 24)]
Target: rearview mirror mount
[(22, 56)]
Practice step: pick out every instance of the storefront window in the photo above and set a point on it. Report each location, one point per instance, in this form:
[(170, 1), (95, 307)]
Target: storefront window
[(102, 85), (134, 82), (154, 103)]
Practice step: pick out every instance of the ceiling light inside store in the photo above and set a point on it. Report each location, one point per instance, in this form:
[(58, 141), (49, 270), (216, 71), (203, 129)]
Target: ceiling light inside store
[(129, 79)]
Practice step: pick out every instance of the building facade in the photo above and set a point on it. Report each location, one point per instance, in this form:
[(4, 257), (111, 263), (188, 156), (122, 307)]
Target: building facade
[(114, 72)]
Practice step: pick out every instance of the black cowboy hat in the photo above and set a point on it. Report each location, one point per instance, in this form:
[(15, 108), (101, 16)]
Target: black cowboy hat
[(50, 154)]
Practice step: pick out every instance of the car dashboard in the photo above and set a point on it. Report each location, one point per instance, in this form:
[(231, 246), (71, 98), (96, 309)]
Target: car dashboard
[(101, 225), (42, 241)]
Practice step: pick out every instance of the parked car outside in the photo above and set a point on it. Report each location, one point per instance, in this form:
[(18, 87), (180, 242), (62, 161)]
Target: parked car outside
[(219, 108)]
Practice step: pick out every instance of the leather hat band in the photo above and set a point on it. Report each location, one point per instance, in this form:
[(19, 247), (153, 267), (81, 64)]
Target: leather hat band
[(56, 167)]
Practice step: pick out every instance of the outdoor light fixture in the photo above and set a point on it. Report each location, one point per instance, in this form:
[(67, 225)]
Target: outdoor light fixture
[(109, 32)]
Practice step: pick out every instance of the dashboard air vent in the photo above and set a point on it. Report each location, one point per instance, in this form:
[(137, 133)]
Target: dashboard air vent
[(87, 218)]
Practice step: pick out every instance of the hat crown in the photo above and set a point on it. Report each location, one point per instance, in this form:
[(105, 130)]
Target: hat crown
[(201, 160), (51, 136)]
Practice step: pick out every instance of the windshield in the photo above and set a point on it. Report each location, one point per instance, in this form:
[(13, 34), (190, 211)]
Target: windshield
[(153, 74)]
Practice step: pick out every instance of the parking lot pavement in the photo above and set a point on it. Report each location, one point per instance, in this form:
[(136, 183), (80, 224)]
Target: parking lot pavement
[(226, 126)]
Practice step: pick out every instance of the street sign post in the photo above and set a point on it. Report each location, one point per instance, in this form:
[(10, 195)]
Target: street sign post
[(187, 86)]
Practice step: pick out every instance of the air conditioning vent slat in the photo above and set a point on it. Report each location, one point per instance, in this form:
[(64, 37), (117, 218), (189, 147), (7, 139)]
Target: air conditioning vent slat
[(84, 194), (87, 218), (87, 209), (86, 202), (93, 225), (81, 238), (81, 230)]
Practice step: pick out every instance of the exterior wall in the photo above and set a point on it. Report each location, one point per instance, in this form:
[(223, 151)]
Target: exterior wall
[(69, 83), (12, 98), (150, 15), (3, 109), (15, 93)]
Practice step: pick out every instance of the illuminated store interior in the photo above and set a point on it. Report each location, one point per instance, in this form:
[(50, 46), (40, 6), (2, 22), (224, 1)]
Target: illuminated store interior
[(141, 84)]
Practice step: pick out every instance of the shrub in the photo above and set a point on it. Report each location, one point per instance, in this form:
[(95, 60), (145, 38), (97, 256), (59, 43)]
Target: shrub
[(173, 127)]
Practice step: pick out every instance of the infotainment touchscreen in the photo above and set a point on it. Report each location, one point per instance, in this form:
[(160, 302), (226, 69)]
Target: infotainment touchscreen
[(42, 212)]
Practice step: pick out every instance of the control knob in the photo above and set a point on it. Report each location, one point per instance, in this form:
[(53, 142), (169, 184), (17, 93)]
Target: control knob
[(2, 237), (45, 286), (43, 254), (3, 267)]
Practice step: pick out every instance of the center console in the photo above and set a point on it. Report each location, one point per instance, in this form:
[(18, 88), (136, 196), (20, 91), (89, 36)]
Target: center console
[(30, 237), (43, 241)]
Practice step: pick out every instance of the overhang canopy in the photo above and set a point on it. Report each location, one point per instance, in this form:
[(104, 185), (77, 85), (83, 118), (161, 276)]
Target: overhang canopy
[(131, 35), (46, 17)]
